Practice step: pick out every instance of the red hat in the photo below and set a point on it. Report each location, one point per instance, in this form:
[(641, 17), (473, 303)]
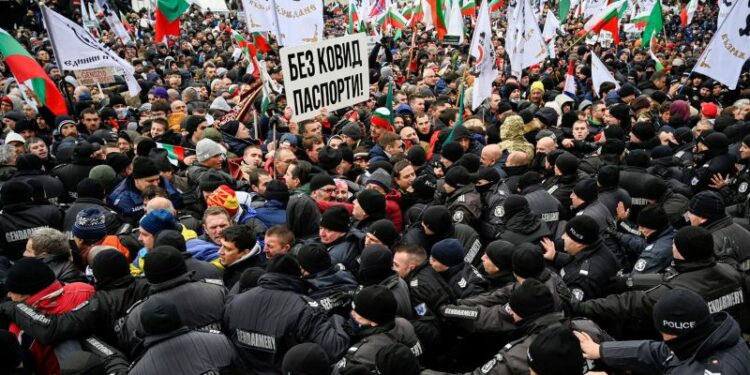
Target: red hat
[(709, 110), (381, 119), (225, 197)]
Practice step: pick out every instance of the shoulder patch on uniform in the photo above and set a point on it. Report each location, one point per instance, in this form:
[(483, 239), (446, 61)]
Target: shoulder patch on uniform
[(499, 211), (461, 198), (694, 181), (578, 294), (414, 283), (458, 216), (649, 247), (488, 366), (214, 281), (462, 283), (421, 309), (743, 187), (311, 302), (640, 265), (552, 189)]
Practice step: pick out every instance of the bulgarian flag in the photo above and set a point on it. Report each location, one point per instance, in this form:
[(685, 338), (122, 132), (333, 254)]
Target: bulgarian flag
[(495, 5), (250, 52), (260, 42), (608, 20), (563, 8), (353, 16), (417, 15), (686, 14), (168, 14), (175, 154), (654, 25), (437, 7), (392, 18), (659, 65), (640, 20), (468, 8), (28, 72)]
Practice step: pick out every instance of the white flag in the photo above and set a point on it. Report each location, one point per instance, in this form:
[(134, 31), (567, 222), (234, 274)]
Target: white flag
[(600, 74), (299, 21), (525, 46), (725, 6), (549, 34), (427, 19), (456, 23), (260, 16), (483, 52), (729, 48), (113, 21), (594, 7), (76, 49)]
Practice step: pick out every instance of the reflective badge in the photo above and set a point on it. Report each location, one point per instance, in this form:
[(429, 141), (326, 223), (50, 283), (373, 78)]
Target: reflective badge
[(488, 366), (743, 187), (640, 265), (499, 211), (552, 189), (694, 181), (578, 294), (649, 247), (462, 283), (458, 216), (421, 309)]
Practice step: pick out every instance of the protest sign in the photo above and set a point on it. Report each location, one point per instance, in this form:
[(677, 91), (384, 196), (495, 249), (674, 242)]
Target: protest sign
[(331, 74), (90, 77)]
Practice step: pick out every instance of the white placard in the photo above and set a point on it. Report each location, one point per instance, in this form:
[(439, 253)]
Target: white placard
[(331, 74)]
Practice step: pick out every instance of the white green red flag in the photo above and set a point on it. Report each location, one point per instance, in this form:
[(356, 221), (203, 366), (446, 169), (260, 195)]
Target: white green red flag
[(392, 18), (563, 9), (353, 17), (654, 25), (168, 14), (495, 5), (439, 18), (687, 13), (468, 8), (175, 154), (28, 72), (607, 19), (659, 66)]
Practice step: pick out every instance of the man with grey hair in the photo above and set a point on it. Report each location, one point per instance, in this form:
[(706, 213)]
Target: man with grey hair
[(7, 162), (51, 246)]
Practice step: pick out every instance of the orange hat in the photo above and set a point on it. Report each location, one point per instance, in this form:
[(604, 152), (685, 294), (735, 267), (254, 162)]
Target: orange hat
[(225, 197)]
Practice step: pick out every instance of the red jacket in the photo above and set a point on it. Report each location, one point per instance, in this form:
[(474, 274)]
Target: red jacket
[(54, 299), (392, 208)]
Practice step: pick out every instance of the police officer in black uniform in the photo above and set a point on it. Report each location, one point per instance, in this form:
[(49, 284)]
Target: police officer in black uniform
[(541, 202)]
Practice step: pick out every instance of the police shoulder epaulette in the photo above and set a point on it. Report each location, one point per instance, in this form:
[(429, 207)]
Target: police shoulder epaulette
[(513, 343), (140, 301), (311, 302)]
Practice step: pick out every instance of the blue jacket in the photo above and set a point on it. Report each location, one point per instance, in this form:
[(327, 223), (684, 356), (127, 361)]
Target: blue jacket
[(272, 213), (377, 153), (127, 201), (202, 249)]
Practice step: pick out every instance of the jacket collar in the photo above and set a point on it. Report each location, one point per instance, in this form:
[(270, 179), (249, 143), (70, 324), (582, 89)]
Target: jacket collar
[(45, 296)]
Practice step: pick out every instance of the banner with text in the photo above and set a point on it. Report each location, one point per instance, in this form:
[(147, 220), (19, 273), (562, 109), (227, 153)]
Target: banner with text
[(331, 74)]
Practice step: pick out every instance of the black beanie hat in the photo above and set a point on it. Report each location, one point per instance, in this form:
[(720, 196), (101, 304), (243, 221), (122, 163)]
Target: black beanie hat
[(553, 155), (305, 359), (159, 315), (500, 253), (470, 161), (449, 252), (336, 219), (568, 119), (530, 298), (680, 311), (329, 158), (556, 351), (416, 156), (211, 181), (321, 180), (515, 204), (110, 265), (694, 243), (644, 131), (15, 192), (314, 258), (653, 217), (277, 190), (424, 186), (452, 151), (190, 124), (567, 163), (375, 264), (614, 133), (621, 112), (118, 161), (582, 229), (28, 276), (638, 158), (284, 264), (144, 147), (529, 179), (586, 189), (385, 231), (249, 278), (654, 188), (457, 177), (231, 127), (438, 219), (708, 205), (172, 238), (375, 303), (608, 176), (90, 188), (372, 202), (396, 360), (162, 264), (528, 261), (489, 174), (144, 167), (28, 162), (613, 147)]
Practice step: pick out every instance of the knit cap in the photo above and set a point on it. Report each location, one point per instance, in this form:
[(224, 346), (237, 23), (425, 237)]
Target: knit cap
[(158, 220), (90, 224), (449, 252), (28, 276), (224, 196)]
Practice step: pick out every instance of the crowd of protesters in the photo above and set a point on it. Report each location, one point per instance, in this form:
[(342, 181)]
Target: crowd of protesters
[(194, 229)]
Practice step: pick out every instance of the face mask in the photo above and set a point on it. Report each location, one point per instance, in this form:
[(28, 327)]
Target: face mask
[(121, 113)]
